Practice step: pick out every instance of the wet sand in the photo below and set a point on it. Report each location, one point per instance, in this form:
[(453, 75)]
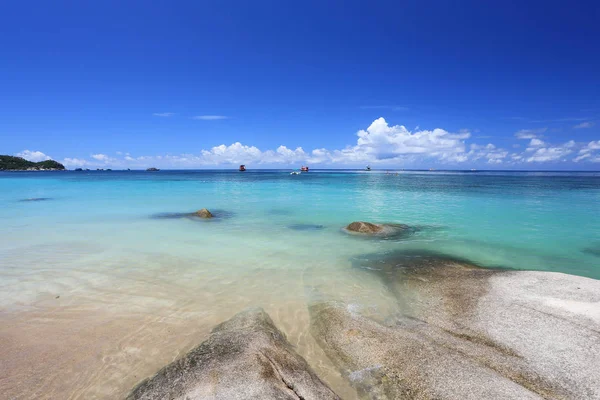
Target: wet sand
[(99, 342)]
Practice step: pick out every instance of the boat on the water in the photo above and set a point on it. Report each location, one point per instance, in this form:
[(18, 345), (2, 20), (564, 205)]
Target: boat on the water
[(242, 168), (368, 168), (304, 168), (152, 169)]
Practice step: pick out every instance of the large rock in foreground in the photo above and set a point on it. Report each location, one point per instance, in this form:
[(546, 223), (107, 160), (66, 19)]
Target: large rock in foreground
[(469, 333), (246, 357)]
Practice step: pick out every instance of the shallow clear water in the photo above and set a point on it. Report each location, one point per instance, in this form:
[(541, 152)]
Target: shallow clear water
[(100, 247)]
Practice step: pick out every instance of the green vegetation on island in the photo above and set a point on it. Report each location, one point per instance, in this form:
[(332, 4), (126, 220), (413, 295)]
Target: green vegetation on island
[(11, 163)]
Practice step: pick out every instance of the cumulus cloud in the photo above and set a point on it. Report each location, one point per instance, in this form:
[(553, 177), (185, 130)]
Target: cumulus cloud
[(210, 117), (74, 162), (381, 141), (490, 153), (530, 133), (594, 145), (100, 157), (584, 125), (535, 143), (546, 154), (163, 114), (34, 156)]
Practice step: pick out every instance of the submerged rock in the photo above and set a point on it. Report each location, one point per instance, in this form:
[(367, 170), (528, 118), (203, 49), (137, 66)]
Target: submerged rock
[(306, 227), (467, 332), (279, 211), (246, 357), (204, 213), (386, 231), (36, 199), (215, 215), (593, 250)]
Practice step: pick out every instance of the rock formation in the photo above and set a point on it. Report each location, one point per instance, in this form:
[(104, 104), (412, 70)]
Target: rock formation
[(246, 357), (468, 333)]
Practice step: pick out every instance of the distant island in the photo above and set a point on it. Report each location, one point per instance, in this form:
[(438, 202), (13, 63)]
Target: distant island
[(11, 163)]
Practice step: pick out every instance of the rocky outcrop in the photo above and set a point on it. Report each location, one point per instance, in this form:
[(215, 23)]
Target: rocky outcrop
[(204, 213), (469, 333), (246, 357)]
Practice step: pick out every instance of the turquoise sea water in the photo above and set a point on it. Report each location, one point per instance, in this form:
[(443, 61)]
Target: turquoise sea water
[(541, 221), (109, 242)]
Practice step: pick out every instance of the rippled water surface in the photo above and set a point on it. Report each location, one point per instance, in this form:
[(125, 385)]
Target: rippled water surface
[(105, 277)]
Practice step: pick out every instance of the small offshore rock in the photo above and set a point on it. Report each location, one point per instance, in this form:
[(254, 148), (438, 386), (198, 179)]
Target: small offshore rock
[(204, 213), (364, 227), (381, 231)]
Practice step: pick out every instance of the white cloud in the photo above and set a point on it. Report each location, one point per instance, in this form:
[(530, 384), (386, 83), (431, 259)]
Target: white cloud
[(536, 143), (382, 142), (588, 153), (584, 125), (34, 156), (582, 156), (594, 145), (530, 133), (489, 152), (100, 157), (163, 114), (557, 153), (74, 162), (210, 117)]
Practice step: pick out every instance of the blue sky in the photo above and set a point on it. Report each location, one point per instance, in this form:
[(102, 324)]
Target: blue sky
[(198, 84)]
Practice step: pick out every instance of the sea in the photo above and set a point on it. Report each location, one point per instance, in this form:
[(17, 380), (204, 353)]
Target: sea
[(105, 277)]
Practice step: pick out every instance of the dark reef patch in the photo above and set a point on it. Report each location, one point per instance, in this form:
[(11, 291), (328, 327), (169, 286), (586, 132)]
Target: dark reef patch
[(36, 199), (306, 227), (593, 250), (279, 211), (404, 270), (217, 215), (411, 259)]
